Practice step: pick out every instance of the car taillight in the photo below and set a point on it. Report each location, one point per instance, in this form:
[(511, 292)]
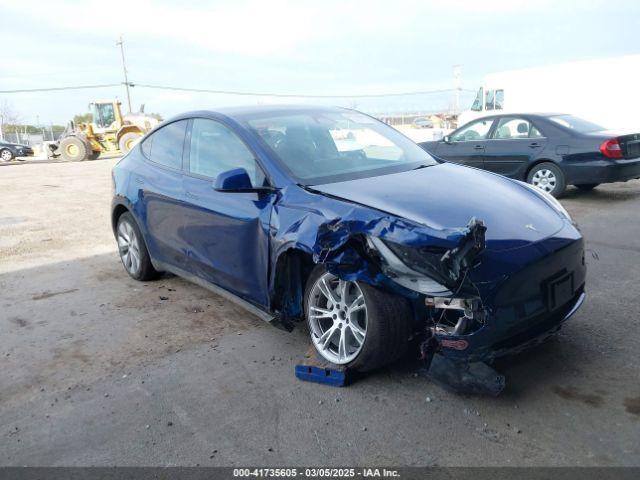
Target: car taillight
[(611, 148)]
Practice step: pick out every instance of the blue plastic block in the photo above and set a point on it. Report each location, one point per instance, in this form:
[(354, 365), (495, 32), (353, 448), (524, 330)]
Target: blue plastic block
[(327, 376)]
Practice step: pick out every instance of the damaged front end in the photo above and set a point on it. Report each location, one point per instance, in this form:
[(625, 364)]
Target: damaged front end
[(471, 304)]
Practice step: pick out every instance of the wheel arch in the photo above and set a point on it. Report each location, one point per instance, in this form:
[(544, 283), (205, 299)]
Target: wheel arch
[(537, 162), (289, 275), (116, 212)]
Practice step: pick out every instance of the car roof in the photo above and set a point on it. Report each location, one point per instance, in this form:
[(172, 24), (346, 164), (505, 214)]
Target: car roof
[(524, 114), (241, 112)]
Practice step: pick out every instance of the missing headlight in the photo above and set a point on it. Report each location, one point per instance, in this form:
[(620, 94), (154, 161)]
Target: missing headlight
[(426, 260), (455, 316)]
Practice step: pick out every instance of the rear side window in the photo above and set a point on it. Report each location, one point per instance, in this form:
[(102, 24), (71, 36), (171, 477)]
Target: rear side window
[(513, 128), (165, 145)]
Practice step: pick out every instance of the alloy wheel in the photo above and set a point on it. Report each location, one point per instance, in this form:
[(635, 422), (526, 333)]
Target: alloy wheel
[(545, 180), (129, 247), (337, 316)]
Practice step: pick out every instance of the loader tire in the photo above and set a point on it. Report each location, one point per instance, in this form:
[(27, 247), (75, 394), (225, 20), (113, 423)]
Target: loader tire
[(93, 155), (73, 149), (128, 141)]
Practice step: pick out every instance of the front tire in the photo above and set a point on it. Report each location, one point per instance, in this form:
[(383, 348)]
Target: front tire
[(355, 324), (132, 249), (6, 155), (548, 177), (73, 149)]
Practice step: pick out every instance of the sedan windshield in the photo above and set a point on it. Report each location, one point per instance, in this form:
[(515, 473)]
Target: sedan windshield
[(324, 146), (577, 124)]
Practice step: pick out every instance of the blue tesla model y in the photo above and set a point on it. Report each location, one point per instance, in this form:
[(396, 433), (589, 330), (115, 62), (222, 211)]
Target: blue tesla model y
[(330, 217)]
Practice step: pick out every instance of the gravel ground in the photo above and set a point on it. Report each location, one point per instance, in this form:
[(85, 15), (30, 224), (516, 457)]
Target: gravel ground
[(98, 369)]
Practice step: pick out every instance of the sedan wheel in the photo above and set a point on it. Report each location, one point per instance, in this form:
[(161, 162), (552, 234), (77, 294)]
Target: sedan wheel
[(548, 177), (129, 247), (545, 180), (337, 316), (6, 155)]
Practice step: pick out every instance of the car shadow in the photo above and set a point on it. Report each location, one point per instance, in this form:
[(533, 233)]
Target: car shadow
[(622, 192)]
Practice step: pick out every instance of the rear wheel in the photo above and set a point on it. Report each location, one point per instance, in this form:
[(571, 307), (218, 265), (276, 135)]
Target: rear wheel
[(587, 186), (73, 149), (132, 249), (355, 324), (6, 155), (128, 141), (547, 177)]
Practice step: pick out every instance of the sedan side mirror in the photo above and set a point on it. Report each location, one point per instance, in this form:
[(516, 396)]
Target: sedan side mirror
[(446, 139), (236, 180)]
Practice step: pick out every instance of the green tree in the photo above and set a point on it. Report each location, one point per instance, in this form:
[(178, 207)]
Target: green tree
[(83, 118)]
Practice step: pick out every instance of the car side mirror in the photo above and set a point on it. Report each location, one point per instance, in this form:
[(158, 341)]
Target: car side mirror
[(237, 180), (446, 139)]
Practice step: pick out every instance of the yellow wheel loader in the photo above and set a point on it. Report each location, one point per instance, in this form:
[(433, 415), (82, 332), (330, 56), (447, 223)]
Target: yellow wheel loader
[(109, 132)]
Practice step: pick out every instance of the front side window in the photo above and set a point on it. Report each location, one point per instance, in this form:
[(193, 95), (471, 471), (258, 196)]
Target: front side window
[(104, 114), (215, 149), (165, 145), (325, 146), (477, 103), (477, 130)]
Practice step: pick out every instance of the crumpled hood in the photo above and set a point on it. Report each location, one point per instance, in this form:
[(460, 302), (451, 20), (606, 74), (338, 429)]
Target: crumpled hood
[(446, 196)]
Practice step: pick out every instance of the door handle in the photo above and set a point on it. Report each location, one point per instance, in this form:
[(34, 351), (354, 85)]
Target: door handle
[(534, 145), (478, 147), (192, 196)]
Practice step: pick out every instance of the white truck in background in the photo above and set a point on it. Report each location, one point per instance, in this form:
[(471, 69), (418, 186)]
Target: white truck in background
[(604, 91)]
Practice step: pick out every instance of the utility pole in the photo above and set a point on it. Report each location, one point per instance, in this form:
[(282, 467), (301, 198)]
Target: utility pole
[(457, 74), (124, 69)]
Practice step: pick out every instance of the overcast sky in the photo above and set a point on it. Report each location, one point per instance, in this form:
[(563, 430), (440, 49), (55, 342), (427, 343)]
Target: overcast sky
[(315, 47)]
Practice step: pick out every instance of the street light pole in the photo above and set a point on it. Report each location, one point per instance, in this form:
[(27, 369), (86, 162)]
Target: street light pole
[(124, 69)]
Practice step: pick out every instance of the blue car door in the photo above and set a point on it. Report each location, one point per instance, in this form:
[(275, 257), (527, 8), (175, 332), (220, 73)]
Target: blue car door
[(157, 190), (227, 232)]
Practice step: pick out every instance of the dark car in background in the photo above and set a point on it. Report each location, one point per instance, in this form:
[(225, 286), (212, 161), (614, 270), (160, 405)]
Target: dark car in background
[(332, 216), (9, 151), (549, 151)]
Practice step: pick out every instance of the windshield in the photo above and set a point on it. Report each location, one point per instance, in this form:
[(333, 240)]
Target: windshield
[(577, 124), (324, 147)]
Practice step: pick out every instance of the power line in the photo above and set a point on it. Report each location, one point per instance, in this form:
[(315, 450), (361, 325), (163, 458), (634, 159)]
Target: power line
[(292, 95), (53, 89), (234, 92)]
